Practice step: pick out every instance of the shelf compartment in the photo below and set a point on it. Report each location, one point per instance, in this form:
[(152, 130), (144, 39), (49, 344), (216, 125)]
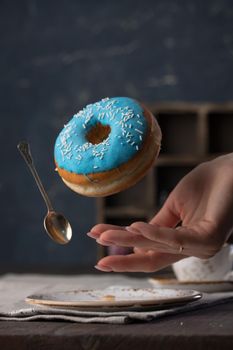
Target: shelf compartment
[(124, 221), (135, 196), (167, 178), (220, 132), (180, 132)]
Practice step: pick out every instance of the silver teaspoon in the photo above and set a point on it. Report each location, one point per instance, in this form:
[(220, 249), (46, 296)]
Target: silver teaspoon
[(55, 224)]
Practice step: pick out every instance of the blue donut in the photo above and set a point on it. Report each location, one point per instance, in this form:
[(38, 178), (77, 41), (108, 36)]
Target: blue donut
[(124, 126)]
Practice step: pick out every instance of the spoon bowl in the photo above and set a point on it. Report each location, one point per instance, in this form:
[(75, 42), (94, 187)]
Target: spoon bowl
[(57, 227)]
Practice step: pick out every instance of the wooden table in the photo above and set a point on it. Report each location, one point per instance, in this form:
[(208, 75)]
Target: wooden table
[(210, 328)]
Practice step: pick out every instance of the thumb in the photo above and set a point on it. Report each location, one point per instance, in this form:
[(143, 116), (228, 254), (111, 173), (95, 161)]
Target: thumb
[(167, 215)]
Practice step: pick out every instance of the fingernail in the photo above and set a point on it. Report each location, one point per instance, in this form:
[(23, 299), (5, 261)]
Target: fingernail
[(103, 268), (132, 230), (103, 242), (92, 235)]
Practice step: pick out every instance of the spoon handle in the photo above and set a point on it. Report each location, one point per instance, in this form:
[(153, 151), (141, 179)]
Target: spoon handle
[(24, 149)]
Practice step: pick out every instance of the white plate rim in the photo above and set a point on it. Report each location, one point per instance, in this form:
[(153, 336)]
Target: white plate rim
[(191, 295)]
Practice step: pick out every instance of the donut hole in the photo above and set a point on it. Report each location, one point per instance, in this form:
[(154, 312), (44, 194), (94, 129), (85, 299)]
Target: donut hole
[(98, 133)]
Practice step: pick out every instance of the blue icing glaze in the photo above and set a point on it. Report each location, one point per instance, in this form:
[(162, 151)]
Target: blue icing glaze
[(128, 128)]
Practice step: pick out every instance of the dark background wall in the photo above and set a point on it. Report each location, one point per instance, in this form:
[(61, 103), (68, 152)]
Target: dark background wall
[(57, 56)]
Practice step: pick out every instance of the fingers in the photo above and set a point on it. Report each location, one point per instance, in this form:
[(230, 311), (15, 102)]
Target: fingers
[(143, 235), (140, 250), (148, 262), (97, 230), (185, 241), (126, 238), (188, 241), (159, 235)]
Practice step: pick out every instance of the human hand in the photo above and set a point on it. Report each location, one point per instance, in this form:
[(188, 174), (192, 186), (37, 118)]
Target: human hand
[(202, 202)]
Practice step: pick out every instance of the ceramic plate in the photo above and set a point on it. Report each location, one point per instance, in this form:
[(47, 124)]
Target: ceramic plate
[(202, 286), (114, 297)]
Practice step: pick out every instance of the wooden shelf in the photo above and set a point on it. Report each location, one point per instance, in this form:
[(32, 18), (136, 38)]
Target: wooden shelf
[(123, 212), (167, 160), (192, 133)]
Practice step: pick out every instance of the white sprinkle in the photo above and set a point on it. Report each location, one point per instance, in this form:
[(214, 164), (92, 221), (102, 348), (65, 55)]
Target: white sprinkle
[(137, 148), (140, 137), (95, 167), (138, 131), (133, 143), (79, 157), (138, 121), (84, 126), (105, 99)]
